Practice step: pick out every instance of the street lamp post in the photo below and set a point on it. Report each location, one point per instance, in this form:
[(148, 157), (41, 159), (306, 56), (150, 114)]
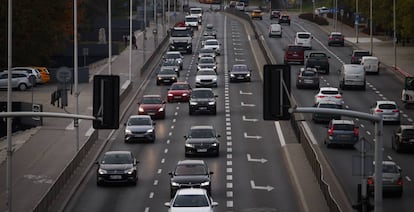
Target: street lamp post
[(356, 21), (395, 36), (370, 27), (130, 41)]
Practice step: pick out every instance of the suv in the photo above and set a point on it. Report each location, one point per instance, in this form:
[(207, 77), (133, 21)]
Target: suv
[(294, 53), (392, 181), (336, 38), (274, 14), (329, 94), (139, 127), (202, 100), (357, 55), (403, 137), (202, 140), (304, 39), (189, 174), (387, 109), (342, 132), (19, 80)]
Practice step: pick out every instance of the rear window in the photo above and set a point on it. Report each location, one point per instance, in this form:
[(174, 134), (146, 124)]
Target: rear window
[(389, 169), (387, 106), (408, 133), (360, 54), (318, 55), (304, 36), (347, 127), (330, 92), (308, 73), (295, 48)]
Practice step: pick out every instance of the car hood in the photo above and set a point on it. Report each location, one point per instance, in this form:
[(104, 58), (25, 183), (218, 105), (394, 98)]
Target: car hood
[(195, 180), (167, 75), (178, 92), (151, 106), (202, 99), (201, 140), (139, 128), (206, 77), (239, 72), (191, 209), (116, 166)]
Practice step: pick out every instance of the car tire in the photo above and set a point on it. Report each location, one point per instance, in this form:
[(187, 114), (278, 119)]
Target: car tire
[(99, 183), (22, 87), (190, 112), (158, 83)]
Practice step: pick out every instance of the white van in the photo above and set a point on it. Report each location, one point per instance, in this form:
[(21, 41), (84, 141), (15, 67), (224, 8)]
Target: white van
[(371, 64), (240, 6), (304, 39), (352, 75), (275, 30), (191, 21)]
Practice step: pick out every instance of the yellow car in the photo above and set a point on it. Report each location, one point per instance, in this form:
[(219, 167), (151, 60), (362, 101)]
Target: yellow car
[(44, 74), (257, 14)]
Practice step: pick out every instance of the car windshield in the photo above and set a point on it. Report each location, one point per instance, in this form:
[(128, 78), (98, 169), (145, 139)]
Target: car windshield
[(308, 73), (151, 100), (180, 33), (408, 133), (387, 106), (116, 159), (191, 19), (295, 48), (318, 54), (167, 71), (346, 127), (190, 201), (196, 11), (206, 60), (202, 94), (172, 56), (285, 17), (169, 62), (304, 36), (139, 121), (201, 133), (360, 54), (190, 169), (206, 72), (389, 168), (328, 92), (179, 87), (239, 69), (211, 42), (206, 50)]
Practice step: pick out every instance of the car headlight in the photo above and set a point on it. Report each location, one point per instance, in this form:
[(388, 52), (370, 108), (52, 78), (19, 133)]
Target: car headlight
[(189, 145), (170, 94), (102, 171), (175, 184), (214, 79), (128, 131), (185, 94), (214, 144), (140, 109), (231, 75), (150, 130), (189, 46), (248, 74), (198, 67), (159, 78), (172, 47), (193, 103), (161, 109), (214, 67), (207, 183), (211, 103), (129, 171)]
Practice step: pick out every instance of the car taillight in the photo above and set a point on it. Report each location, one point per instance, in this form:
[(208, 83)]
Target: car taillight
[(379, 111), (356, 132), (370, 181), (321, 96), (353, 58), (395, 111), (400, 182), (338, 97), (330, 132)]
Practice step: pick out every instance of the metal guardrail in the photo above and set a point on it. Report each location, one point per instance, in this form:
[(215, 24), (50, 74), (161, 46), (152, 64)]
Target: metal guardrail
[(299, 130)]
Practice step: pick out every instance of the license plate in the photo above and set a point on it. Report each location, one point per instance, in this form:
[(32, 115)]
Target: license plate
[(203, 108), (177, 97), (411, 140), (308, 81), (240, 77), (151, 114), (201, 150), (166, 80), (115, 177)]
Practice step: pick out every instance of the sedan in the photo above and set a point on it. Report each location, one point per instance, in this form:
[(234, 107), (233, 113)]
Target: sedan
[(172, 63), (388, 110), (117, 166), (191, 199), (206, 77), (207, 62), (139, 128), (152, 105), (307, 78), (392, 180), (166, 76), (214, 44), (179, 92), (240, 72), (175, 55), (190, 174), (202, 140), (206, 52)]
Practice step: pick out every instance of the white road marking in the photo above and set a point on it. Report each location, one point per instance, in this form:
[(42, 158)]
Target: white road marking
[(89, 132), (246, 119), (261, 160), (408, 178), (247, 105), (268, 188), (280, 134), (245, 93), (257, 137), (151, 195), (309, 132)]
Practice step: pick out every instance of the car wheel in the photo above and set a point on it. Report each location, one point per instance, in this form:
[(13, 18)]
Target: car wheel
[(158, 83), (22, 87), (99, 183), (190, 112)]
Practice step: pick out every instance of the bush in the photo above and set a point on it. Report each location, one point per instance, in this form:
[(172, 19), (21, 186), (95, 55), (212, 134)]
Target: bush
[(314, 18)]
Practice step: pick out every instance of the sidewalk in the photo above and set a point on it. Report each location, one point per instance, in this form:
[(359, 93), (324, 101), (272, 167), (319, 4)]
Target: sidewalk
[(41, 154), (383, 47)]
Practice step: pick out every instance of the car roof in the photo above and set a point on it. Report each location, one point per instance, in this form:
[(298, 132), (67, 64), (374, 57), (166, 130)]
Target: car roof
[(203, 89), (257, 10), (206, 69), (151, 95), (308, 69), (386, 102), (303, 33), (140, 116), (173, 52), (212, 40), (342, 121), (117, 152), (188, 191), (360, 50), (370, 58), (328, 89), (183, 162), (353, 66), (336, 33), (181, 82)]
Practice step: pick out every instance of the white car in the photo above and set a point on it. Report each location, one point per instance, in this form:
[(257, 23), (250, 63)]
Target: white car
[(213, 44), (206, 77), (371, 64), (304, 39), (329, 94), (387, 109), (191, 199)]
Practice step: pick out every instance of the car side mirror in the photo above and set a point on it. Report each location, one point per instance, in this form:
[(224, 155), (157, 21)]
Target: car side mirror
[(214, 204), (185, 137), (125, 124), (329, 57), (170, 173), (164, 102), (215, 95), (97, 162), (218, 136), (211, 172), (167, 204)]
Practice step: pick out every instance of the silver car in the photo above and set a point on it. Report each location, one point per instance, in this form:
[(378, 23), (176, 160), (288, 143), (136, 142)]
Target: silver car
[(36, 79), (20, 80), (388, 110), (206, 77), (392, 181), (214, 44), (206, 52), (207, 62), (139, 128)]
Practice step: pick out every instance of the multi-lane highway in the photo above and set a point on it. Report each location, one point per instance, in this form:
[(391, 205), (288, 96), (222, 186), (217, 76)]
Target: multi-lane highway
[(249, 174)]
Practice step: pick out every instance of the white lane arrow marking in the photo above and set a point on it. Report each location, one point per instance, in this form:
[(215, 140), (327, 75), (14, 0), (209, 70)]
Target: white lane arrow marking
[(252, 136), (247, 105), (261, 160), (246, 119), (237, 49), (268, 188), (246, 93), (236, 59)]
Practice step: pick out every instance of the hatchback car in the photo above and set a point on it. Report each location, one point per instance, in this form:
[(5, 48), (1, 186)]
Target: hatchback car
[(202, 100), (191, 199), (329, 94), (206, 52), (207, 62), (179, 92), (304, 39), (117, 167), (336, 38), (206, 77), (284, 19), (190, 174), (44, 74), (175, 55), (139, 128), (202, 140), (294, 53), (392, 180), (307, 78), (19, 81), (257, 14), (214, 44), (152, 105), (166, 75), (323, 117), (387, 109), (341, 132), (357, 55), (403, 138), (210, 31), (34, 74), (240, 72)]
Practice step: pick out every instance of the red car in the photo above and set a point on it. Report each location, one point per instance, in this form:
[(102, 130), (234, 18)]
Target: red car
[(152, 105), (179, 92), (294, 53)]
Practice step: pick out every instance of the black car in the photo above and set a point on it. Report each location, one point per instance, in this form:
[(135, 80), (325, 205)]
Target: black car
[(166, 76), (323, 117), (190, 174), (284, 19), (210, 31), (357, 55), (202, 140), (240, 72), (139, 128), (117, 166), (202, 100)]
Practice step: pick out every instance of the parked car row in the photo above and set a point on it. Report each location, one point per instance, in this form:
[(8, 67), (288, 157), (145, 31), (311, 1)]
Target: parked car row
[(24, 77)]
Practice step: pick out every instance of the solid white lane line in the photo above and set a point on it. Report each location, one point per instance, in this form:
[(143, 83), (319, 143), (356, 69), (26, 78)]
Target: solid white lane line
[(280, 134)]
